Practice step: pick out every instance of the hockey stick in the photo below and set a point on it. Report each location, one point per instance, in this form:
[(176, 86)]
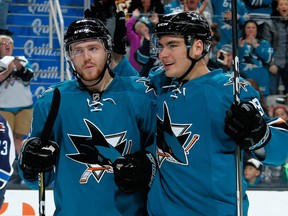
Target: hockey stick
[(44, 138), (236, 94)]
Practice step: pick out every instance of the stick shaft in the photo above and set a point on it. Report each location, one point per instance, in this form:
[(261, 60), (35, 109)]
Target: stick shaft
[(236, 94), (44, 137)]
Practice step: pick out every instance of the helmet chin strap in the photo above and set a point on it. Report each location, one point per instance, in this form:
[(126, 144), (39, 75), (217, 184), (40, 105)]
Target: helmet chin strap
[(193, 63)]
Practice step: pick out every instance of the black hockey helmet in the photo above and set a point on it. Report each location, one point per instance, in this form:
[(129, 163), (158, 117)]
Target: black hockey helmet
[(85, 29), (189, 24)]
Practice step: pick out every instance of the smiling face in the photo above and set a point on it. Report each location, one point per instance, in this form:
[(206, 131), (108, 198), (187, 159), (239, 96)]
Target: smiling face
[(173, 55), (282, 7), (6, 46), (141, 28)]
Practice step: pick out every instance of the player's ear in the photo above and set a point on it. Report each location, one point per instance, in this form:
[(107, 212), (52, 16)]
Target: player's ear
[(197, 48)]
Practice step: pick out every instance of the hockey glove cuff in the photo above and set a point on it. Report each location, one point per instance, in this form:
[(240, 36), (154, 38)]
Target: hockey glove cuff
[(245, 125), (36, 157)]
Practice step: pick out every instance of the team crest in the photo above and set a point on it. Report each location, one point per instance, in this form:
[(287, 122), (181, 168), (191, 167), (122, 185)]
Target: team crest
[(173, 140), (242, 84), (147, 83), (98, 151)]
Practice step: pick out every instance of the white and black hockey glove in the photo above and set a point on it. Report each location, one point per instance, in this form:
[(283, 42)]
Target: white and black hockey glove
[(245, 125), (35, 158), (134, 172)]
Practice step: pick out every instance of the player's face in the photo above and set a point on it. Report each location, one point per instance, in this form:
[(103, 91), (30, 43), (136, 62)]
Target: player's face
[(6, 47), (173, 55), (89, 58)]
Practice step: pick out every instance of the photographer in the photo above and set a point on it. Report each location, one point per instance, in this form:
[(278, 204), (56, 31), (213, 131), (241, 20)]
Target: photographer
[(225, 58)]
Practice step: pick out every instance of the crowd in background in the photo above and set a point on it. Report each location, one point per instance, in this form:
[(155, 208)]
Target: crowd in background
[(262, 50)]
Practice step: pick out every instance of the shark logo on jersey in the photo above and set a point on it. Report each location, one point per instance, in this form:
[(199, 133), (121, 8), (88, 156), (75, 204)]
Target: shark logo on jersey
[(98, 151), (147, 83), (242, 84), (173, 140)]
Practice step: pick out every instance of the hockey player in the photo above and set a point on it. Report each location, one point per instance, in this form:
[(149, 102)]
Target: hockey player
[(7, 156), (195, 145), (102, 116)]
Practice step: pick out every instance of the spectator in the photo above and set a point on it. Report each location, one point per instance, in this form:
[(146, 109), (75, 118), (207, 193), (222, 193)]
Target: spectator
[(137, 31), (255, 85), (105, 120), (252, 172), (16, 104), (4, 8), (281, 111), (198, 7), (7, 156), (174, 6), (188, 5), (116, 25), (276, 174), (221, 14), (143, 55), (275, 31), (215, 40), (260, 11), (147, 7), (225, 58), (254, 56)]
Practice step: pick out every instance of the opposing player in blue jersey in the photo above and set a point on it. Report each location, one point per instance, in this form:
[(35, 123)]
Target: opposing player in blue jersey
[(102, 116), (196, 158), (7, 156)]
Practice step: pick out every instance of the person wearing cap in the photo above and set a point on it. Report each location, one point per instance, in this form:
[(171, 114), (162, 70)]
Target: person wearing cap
[(252, 172), (100, 118)]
